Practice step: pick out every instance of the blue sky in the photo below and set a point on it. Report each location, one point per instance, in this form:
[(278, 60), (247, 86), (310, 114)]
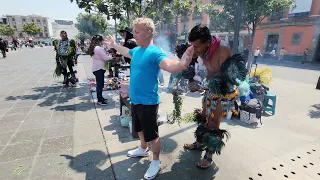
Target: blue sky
[(54, 9)]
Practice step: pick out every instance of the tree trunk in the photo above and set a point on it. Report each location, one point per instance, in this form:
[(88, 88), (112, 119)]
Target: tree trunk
[(128, 16), (250, 58), (115, 28)]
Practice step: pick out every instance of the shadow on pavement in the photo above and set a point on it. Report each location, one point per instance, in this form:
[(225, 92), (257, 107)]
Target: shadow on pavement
[(185, 168), (315, 112), (91, 163), (94, 164)]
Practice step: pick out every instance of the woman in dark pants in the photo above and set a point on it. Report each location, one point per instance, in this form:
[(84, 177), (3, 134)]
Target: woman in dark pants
[(99, 56)]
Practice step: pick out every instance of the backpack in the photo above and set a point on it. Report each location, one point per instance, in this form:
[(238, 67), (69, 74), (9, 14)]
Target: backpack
[(251, 111)]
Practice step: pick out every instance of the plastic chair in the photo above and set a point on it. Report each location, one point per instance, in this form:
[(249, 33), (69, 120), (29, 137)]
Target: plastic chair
[(270, 107)]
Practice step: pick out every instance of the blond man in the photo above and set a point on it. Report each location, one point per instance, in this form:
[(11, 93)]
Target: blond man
[(146, 62)]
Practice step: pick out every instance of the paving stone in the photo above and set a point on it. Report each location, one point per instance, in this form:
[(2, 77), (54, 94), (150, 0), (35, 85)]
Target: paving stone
[(26, 103), (12, 118), (55, 176), (19, 110), (16, 170), (5, 105), (38, 115), (92, 160), (87, 133), (28, 136), (52, 164), (55, 145), (4, 138), (63, 113), (9, 127), (59, 130), (60, 120), (19, 151), (34, 124), (41, 108), (3, 111)]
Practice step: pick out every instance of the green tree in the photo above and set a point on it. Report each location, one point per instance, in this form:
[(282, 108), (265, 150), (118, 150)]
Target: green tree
[(31, 29), (92, 24), (82, 36), (6, 30), (223, 13)]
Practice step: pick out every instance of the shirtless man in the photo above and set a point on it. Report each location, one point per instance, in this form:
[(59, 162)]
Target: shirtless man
[(214, 53)]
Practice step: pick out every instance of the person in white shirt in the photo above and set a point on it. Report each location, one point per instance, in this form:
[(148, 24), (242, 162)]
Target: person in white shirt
[(256, 54), (273, 53)]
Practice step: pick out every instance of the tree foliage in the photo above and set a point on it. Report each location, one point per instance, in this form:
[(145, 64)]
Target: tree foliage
[(31, 29), (91, 24), (6, 30), (223, 13), (127, 10), (82, 36)]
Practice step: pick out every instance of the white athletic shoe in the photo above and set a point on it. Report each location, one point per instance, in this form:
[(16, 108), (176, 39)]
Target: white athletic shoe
[(139, 152), (153, 170)]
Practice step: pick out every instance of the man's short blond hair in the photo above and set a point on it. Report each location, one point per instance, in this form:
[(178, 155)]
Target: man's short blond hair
[(147, 23)]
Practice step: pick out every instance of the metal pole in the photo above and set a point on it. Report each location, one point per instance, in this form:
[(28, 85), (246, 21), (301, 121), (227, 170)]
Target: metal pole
[(237, 27)]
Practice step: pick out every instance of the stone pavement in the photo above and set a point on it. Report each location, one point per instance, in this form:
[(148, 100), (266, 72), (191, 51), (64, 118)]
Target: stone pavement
[(50, 132)]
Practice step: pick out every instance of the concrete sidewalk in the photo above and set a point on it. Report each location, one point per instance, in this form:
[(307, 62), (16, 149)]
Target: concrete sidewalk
[(250, 153)]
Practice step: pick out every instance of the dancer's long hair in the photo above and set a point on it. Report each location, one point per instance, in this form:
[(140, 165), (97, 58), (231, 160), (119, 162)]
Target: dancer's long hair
[(95, 41)]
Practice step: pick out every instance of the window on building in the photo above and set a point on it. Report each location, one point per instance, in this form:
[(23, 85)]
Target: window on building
[(296, 38), (32, 20), (13, 19), (23, 20), (38, 20)]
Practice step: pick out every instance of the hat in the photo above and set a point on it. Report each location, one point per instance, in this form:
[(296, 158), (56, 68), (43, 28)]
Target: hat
[(126, 29)]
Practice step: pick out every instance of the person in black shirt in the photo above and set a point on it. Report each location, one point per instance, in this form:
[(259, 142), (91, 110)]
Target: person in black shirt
[(129, 42), (3, 47)]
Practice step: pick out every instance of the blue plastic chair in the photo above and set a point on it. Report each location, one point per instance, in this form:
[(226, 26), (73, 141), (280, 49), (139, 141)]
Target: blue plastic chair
[(270, 107)]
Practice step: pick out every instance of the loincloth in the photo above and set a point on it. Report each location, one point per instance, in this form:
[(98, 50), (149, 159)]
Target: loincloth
[(211, 100)]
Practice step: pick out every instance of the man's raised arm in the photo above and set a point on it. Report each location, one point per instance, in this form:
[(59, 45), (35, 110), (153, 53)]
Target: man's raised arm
[(120, 49), (174, 65)]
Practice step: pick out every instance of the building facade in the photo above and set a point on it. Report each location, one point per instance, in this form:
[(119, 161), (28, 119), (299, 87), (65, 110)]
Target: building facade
[(295, 29), (17, 21), (66, 25)]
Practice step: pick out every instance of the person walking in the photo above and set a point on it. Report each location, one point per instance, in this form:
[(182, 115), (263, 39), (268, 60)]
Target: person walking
[(305, 56), (256, 55), (282, 53)]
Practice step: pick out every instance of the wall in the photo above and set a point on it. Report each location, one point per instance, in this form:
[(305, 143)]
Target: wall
[(306, 38)]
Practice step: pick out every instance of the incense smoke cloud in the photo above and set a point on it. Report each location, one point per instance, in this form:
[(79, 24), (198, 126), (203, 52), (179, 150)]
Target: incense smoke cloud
[(163, 42)]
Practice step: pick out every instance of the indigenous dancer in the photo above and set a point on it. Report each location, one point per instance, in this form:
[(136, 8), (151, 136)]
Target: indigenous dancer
[(65, 54), (224, 73)]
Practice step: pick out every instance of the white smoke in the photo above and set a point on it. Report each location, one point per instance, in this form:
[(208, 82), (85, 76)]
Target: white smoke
[(163, 42)]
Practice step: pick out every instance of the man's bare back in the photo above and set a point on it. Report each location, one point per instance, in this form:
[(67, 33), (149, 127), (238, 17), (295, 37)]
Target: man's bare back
[(220, 55)]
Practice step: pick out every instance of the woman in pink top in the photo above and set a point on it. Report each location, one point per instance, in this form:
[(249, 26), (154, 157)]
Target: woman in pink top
[(99, 56)]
